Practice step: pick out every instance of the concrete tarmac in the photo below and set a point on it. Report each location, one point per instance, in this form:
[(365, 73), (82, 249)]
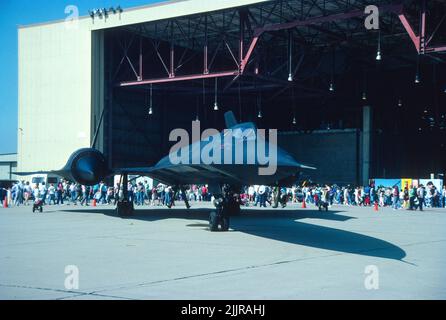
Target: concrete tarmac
[(292, 253)]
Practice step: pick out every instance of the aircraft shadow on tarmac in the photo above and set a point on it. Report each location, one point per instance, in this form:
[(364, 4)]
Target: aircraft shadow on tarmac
[(281, 226)]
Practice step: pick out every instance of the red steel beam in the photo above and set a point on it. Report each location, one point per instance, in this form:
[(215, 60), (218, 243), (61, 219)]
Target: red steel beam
[(180, 78), (397, 9), (415, 39), (435, 49), (140, 60), (423, 29), (245, 60)]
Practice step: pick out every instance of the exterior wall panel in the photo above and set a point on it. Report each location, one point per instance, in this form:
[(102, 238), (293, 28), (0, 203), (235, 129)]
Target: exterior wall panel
[(54, 94)]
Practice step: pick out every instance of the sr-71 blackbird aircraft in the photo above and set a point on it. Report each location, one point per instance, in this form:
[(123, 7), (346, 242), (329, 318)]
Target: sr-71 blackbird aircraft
[(89, 167)]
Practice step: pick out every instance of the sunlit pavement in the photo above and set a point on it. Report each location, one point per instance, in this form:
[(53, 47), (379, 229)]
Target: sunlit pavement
[(292, 253)]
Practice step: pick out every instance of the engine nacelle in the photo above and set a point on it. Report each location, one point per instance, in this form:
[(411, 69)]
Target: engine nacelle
[(86, 167)]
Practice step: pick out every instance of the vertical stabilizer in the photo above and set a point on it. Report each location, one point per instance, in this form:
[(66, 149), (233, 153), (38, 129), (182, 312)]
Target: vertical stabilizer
[(230, 120)]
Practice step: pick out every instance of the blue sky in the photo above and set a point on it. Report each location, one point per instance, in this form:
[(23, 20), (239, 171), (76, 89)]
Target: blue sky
[(14, 13)]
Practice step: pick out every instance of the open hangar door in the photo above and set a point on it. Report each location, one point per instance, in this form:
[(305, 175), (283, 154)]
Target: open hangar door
[(295, 66)]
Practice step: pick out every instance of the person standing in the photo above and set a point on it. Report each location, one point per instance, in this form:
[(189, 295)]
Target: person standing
[(36, 192), (443, 193), (421, 194), (73, 193), (19, 194), (251, 193), (262, 196), (167, 197), (346, 197), (2, 195), (404, 198), (43, 192), (367, 200), (130, 192), (412, 197), (52, 194), (59, 193), (27, 193), (381, 198), (110, 195), (153, 197), (85, 195), (395, 197)]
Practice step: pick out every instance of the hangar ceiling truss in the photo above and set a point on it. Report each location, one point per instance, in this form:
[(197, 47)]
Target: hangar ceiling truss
[(235, 42)]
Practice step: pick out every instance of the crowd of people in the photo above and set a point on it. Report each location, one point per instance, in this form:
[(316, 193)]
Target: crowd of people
[(410, 197), (143, 194), (67, 193)]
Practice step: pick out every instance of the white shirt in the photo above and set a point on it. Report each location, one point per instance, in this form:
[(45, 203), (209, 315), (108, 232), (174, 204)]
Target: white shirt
[(36, 193), (51, 190)]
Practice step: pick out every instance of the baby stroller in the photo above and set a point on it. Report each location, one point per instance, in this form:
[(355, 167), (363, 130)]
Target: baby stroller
[(38, 205)]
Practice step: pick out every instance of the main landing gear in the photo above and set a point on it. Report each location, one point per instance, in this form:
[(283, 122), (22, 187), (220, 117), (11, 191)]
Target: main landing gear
[(227, 204), (124, 207)]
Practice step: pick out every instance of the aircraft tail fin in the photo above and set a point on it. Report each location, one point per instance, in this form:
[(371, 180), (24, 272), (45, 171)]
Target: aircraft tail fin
[(230, 120)]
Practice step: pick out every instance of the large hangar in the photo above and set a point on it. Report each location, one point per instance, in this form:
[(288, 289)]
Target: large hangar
[(343, 96)]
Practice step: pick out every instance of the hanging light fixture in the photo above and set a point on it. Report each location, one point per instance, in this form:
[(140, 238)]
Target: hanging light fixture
[(197, 119), (400, 103), (364, 92), (417, 78), (332, 86), (260, 115), (259, 106), (417, 75), (216, 95), (378, 53), (204, 94), (290, 57), (294, 108), (151, 100)]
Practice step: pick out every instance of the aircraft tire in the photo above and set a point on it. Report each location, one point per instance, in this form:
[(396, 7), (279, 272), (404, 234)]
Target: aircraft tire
[(236, 210), (213, 221), (225, 224), (124, 209)]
